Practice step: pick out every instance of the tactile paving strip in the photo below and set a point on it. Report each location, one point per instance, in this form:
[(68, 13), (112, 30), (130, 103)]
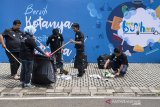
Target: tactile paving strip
[(138, 75)]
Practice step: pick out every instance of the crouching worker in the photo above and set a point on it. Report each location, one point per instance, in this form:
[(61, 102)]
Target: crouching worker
[(27, 55), (118, 62)]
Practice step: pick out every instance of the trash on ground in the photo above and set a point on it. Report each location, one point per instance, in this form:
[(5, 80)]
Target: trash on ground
[(95, 76), (107, 74), (64, 77)]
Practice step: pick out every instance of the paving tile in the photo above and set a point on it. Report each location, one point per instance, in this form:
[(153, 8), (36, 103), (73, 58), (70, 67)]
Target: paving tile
[(144, 89), (110, 91), (67, 89), (50, 91), (102, 94), (1, 89), (118, 89), (146, 94), (124, 94), (80, 94), (62, 94), (154, 90), (135, 89), (127, 89)]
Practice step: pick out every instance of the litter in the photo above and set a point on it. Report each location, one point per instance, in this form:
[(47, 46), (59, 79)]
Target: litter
[(107, 74), (73, 73), (95, 76), (64, 77)]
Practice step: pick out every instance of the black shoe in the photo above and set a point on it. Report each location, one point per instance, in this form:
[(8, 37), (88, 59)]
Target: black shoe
[(23, 85), (79, 75), (121, 75), (84, 71), (61, 73)]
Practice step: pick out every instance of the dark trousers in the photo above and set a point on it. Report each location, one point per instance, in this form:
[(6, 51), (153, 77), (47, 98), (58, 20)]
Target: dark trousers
[(80, 62), (58, 61), (26, 70), (115, 67), (14, 65)]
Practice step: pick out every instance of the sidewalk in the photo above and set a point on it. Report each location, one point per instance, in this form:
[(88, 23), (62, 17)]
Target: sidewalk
[(140, 80)]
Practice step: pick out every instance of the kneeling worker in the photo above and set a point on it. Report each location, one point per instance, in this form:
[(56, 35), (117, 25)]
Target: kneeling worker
[(118, 62)]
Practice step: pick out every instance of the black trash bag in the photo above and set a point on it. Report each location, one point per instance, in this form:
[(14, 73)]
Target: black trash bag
[(101, 60), (43, 71)]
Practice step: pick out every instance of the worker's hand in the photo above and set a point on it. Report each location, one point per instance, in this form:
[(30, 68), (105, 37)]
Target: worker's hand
[(47, 54), (72, 41), (105, 66), (62, 50), (4, 46), (117, 74)]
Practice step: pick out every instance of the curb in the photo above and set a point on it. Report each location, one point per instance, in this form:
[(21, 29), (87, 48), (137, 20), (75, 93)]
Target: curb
[(78, 91)]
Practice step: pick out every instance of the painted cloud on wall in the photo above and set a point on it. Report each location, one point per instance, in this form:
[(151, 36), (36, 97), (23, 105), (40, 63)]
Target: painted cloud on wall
[(140, 27)]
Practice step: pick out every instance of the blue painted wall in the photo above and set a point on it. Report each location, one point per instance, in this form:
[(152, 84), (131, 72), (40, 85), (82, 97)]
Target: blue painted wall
[(94, 17)]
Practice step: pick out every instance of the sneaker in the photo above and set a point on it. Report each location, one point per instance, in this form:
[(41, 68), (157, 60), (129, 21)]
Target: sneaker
[(29, 86), (15, 77)]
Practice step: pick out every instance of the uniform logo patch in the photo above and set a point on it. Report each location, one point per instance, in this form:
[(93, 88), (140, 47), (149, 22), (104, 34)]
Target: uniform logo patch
[(76, 36)]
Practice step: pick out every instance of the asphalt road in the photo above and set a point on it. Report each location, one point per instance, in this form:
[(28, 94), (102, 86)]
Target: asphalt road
[(81, 102)]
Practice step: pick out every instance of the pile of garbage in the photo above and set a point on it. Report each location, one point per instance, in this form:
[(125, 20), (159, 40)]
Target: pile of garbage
[(107, 74), (64, 77)]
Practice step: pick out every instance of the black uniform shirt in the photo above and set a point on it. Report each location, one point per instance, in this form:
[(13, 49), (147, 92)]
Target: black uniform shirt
[(79, 37), (122, 59), (12, 39), (27, 47), (55, 42)]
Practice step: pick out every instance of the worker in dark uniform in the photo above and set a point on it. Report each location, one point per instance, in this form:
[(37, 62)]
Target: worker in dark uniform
[(56, 41), (79, 45), (118, 62), (12, 43), (28, 45)]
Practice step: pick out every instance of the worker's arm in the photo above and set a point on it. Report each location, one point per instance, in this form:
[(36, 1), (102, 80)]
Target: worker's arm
[(2, 41), (47, 42), (106, 64), (76, 42), (119, 70)]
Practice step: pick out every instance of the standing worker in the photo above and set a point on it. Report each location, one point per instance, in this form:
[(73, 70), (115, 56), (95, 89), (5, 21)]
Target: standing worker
[(79, 45), (56, 41), (28, 45), (12, 42)]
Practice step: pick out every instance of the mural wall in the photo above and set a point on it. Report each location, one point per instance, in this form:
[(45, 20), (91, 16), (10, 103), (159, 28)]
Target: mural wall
[(131, 25)]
